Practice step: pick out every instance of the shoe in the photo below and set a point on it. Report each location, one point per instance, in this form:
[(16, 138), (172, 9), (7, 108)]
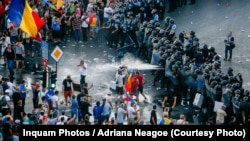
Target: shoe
[(225, 59), (229, 59)]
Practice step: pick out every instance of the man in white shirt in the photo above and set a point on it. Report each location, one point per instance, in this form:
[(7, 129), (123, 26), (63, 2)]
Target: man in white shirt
[(120, 84), (220, 115), (108, 11), (108, 98), (65, 118), (83, 72), (11, 86), (7, 107), (121, 112), (132, 113), (55, 103), (5, 40)]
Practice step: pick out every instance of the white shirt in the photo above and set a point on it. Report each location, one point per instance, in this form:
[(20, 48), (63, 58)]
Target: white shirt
[(120, 115), (5, 43), (65, 118), (89, 7), (85, 22), (11, 87), (106, 12), (119, 79), (52, 121), (83, 71), (220, 116), (54, 100), (131, 110)]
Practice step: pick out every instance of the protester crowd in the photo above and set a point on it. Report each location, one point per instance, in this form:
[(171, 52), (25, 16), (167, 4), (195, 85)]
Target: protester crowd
[(186, 67)]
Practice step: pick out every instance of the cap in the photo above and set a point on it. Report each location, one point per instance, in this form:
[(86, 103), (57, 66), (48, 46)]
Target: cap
[(7, 91)]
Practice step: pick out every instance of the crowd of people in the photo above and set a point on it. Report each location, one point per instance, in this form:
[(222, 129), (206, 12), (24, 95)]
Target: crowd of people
[(186, 68)]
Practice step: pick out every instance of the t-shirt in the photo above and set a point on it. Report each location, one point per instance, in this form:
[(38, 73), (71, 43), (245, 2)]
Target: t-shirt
[(134, 85), (67, 83), (153, 115), (54, 99), (120, 115), (131, 110), (7, 98), (20, 49), (22, 91), (140, 80), (80, 98)]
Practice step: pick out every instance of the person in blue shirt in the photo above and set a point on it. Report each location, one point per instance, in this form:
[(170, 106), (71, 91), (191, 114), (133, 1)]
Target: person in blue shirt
[(23, 91), (97, 111), (74, 106), (229, 45)]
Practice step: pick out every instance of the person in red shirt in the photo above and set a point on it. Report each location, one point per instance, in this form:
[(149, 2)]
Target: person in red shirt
[(141, 82), (134, 87)]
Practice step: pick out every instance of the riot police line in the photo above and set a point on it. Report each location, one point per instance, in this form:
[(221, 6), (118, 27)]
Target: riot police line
[(186, 78), (181, 74)]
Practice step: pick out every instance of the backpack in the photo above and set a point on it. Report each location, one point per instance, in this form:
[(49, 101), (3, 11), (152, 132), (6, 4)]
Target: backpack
[(3, 101)]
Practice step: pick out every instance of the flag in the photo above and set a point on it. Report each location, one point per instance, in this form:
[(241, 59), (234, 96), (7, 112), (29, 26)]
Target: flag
[(53, 1), (52, 6), (127, 98), (21, 14), (59, 4), (128, 83)]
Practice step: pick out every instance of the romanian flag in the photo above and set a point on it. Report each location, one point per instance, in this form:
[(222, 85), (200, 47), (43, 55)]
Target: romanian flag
[(21, 14), (128, 83), (59, 4), (127, 98)]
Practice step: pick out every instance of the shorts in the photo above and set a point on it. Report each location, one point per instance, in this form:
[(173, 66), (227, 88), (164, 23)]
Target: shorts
[(140, 89), (119, 90), (19, 57), (67, 93), (94, 29)]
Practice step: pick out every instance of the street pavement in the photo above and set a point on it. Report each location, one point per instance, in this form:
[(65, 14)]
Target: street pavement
[(211, 20)]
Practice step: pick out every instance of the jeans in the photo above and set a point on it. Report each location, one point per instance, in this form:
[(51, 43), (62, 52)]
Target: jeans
[(82, 81), (10, 64), (77, 33), (36, 48), (228, 49), (84, 34)]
